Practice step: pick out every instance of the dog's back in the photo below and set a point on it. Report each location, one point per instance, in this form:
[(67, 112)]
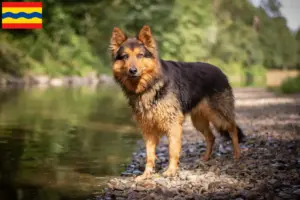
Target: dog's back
[(193, 81)]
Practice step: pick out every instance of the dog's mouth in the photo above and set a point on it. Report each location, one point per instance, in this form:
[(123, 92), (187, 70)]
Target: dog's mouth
[(135, 76)]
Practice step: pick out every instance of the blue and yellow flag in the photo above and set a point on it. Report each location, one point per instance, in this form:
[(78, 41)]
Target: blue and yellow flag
[(22, 15)]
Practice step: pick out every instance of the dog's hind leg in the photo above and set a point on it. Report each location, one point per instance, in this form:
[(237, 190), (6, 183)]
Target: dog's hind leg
[(201, 123), (223, 117), (233, 132)]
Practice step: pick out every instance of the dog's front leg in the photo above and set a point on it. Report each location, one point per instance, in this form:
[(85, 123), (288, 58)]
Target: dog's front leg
[(151, 140), (174, 137)]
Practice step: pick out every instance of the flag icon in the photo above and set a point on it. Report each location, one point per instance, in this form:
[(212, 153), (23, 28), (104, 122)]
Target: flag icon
[(22, 15)]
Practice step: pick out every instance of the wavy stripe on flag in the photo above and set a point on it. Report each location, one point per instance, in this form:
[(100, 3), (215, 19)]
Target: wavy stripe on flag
[(22, 21)]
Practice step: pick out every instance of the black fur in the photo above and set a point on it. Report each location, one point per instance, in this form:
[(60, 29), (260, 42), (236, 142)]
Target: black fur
[(241, 135), (191, 82), (132, 44)]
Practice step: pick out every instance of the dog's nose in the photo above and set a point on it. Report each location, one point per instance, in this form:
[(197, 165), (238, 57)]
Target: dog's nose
[(132, 70)]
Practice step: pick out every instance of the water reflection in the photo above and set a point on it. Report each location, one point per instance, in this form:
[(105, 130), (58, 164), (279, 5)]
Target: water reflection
[(62, 143)]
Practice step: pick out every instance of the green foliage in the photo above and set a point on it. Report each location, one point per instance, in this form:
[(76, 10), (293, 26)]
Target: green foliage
[(290, 85), (298, 48), (75, 37)]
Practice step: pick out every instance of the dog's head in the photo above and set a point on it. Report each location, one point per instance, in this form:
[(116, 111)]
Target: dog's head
[(135, 62)]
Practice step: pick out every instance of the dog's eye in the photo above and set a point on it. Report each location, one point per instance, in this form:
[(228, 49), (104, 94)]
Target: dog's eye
[(140, 55), (124, 57)]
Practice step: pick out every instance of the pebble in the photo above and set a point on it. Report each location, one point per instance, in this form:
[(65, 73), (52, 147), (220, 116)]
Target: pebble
[(284, 195), (119, 187), (192, 178), (297, 192), (161, 181), (267, 170), (140, 188), (137, 172), (126, 174)]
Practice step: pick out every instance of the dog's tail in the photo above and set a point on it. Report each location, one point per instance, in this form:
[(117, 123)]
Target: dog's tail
[(241, 135)]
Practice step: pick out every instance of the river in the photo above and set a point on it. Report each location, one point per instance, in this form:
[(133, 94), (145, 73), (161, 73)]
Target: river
[(62, 143)]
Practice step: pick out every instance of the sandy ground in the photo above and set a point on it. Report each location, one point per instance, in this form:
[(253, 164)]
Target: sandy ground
[(269, 167)]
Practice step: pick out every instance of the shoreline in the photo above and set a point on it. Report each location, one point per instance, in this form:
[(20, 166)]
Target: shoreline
[(269, 167), (47, 81)]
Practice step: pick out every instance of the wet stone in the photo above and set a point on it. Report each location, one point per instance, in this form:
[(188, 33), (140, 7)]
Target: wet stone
[(121, 198), (161, 181), (297, 192), (284, 195), (137, 172), (126, 174), (140, 188), (268, 169)]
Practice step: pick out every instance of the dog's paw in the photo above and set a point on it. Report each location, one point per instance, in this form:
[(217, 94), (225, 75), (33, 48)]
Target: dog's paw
[(170, 172), (146, 175), (237, 156), (204, 158)]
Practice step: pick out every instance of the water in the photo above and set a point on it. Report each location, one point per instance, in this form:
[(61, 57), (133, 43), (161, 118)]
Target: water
[(62, 143)]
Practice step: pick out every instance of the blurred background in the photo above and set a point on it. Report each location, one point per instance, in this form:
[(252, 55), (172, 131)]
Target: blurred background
[(60, 142), (247, 39)]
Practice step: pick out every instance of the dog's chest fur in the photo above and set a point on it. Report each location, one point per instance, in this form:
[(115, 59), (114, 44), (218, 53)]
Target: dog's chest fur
[(155, 109)]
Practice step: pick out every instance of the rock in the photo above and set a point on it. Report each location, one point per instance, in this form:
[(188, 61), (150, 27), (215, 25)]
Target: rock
[(133, 195), (41, 80), (264, 171), (126, 174), (161, 181), (140, 188), (15, 81), (137, 172), (192, 178), (278, 166), (106, 79), (297, 192), (56, 82), (284, 195), (149, 185), (119, 187), (169, 193), (119, 194)]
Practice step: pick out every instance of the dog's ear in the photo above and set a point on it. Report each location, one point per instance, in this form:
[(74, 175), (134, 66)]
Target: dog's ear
[(117, 38), (146, 37)]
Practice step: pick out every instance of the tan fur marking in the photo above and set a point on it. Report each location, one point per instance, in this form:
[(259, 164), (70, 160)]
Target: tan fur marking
[(235, 141), (211, 115), (145, 35), (149, 69), (174, 136), (151, 140), (162, 118), (201, 123), (219, 110), (118, 37)]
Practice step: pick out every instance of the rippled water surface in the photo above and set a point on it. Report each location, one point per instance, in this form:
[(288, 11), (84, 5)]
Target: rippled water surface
[(62, 143)]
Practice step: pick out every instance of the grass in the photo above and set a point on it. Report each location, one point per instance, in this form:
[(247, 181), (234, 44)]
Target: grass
[(290, 85)]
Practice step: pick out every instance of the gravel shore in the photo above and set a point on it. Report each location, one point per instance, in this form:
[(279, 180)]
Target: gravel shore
[(269, 167)]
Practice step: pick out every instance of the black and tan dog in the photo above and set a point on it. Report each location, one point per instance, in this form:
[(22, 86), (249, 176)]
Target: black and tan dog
[(162, 92)]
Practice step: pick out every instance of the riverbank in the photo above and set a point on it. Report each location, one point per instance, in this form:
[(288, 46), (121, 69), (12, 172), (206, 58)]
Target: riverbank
[(269, 167), (43, 80)]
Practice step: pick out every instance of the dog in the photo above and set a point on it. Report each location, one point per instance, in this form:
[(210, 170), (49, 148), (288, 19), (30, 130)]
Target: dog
[(162, 93)]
